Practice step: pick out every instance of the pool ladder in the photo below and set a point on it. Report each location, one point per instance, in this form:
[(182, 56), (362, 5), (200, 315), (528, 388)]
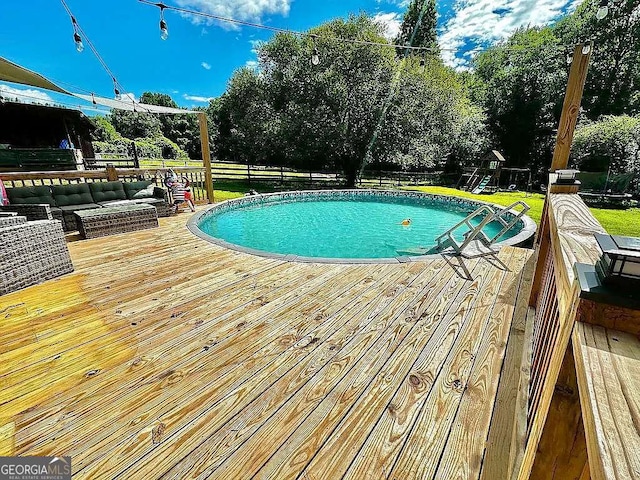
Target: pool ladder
[(474, 235)]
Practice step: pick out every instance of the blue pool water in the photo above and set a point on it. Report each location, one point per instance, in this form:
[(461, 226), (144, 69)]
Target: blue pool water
[(337, 228)]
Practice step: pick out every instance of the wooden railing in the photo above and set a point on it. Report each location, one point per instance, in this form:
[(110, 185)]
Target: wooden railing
[(196, 177), (564, 427)]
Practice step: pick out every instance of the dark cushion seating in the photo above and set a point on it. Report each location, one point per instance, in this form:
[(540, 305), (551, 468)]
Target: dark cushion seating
[(75, 208), (71, 194), (132, 188), (107, 191), (30, 195), (63, 200)]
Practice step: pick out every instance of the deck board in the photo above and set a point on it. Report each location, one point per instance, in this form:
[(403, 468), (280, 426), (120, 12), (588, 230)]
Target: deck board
[(165, 356)]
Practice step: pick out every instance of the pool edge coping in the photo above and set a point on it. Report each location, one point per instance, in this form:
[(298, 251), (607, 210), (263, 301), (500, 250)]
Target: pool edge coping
[(528, 231)]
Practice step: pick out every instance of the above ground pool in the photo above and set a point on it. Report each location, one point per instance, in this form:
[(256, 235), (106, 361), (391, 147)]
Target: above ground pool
[(341, 225)]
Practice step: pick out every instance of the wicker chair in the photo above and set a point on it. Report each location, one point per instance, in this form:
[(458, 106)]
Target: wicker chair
[(31, 253)]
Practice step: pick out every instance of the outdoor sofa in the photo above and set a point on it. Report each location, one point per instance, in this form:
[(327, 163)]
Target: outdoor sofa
[(61, 201)]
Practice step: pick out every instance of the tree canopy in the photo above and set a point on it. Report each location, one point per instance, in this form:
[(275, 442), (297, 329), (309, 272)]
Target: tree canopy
[(292, 112), (419, 26)]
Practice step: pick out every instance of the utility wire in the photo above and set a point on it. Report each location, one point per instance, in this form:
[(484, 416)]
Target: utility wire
[(106, 68), (284, 30), (406, 48), (11, 97)]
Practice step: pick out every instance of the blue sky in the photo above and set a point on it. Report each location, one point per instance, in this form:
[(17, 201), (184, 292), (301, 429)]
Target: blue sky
[(199, 57)]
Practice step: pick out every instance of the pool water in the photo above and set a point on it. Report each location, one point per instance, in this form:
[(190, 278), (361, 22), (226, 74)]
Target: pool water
[(338, 228)]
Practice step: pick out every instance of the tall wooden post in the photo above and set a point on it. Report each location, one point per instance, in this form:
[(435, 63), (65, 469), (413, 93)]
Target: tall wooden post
[(206, 155), (571, 106)]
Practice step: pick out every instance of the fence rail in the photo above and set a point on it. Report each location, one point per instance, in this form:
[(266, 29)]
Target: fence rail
[(566, 415), (280, 176), (196, 177)]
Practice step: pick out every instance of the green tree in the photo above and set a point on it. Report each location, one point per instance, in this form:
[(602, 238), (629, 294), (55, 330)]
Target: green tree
[(182, 129), (326, 116), (611, 142), (419, 25), (135, 124), (105, 131), (520, 84), (613, 80)]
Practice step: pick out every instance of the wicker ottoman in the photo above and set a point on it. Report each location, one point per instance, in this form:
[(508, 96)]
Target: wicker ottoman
[(99, 222)]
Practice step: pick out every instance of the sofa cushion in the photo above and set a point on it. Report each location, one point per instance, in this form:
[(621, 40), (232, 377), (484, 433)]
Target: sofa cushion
[(30, 195), (107, 191), (132, 188), (75, 208), (72, 194)]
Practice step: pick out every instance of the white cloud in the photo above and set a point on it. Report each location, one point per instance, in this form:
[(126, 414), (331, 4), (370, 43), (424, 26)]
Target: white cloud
[(247, 10), (255, 44), (196, 98), (25, 95), (391, 23), (206, 66), (129, 97), (488, 21)]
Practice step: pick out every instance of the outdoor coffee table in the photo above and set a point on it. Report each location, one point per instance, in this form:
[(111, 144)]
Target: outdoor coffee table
[(98, 222)]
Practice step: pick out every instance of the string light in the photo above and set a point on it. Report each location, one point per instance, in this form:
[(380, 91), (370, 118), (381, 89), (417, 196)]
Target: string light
[(115, 90), (603, 10), (77, 39), (164, 31), (407, 47), (77, 32), (187, 11), (586, 48)]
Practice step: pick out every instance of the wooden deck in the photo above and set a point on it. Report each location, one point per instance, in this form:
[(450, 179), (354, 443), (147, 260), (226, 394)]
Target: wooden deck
[(164, 356)]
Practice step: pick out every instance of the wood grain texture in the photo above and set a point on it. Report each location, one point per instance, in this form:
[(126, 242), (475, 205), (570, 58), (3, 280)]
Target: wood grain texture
[(509, 406), (144, 363), (571, 107), (519, 434), (562, 450), (608, 373)]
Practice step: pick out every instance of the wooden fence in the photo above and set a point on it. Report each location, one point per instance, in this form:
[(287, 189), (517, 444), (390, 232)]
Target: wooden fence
[(195, 176), (279, 177)]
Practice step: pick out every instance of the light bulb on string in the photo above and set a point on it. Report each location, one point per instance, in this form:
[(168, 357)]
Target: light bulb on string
[(586, 48), (569, 58), (315, 57), (78, 41), (603, 10), (164, 31), (93, 99)]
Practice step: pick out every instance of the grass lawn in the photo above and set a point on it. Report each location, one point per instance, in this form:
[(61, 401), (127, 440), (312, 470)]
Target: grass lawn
[(228, 189), (615, 222)]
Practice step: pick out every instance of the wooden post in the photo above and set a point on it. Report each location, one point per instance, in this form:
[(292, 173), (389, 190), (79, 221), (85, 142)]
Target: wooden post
[(112, 174), (571, 106), (136, 160), (206, 155)]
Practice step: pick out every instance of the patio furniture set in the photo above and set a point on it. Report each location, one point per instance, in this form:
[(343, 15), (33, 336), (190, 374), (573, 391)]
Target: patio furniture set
[(33, 225), (64, 202)]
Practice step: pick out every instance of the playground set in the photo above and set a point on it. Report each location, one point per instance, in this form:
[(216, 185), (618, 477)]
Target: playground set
[(486, 178)]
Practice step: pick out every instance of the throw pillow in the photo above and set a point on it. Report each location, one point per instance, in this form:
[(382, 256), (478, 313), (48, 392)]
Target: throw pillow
[(145, 192)]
